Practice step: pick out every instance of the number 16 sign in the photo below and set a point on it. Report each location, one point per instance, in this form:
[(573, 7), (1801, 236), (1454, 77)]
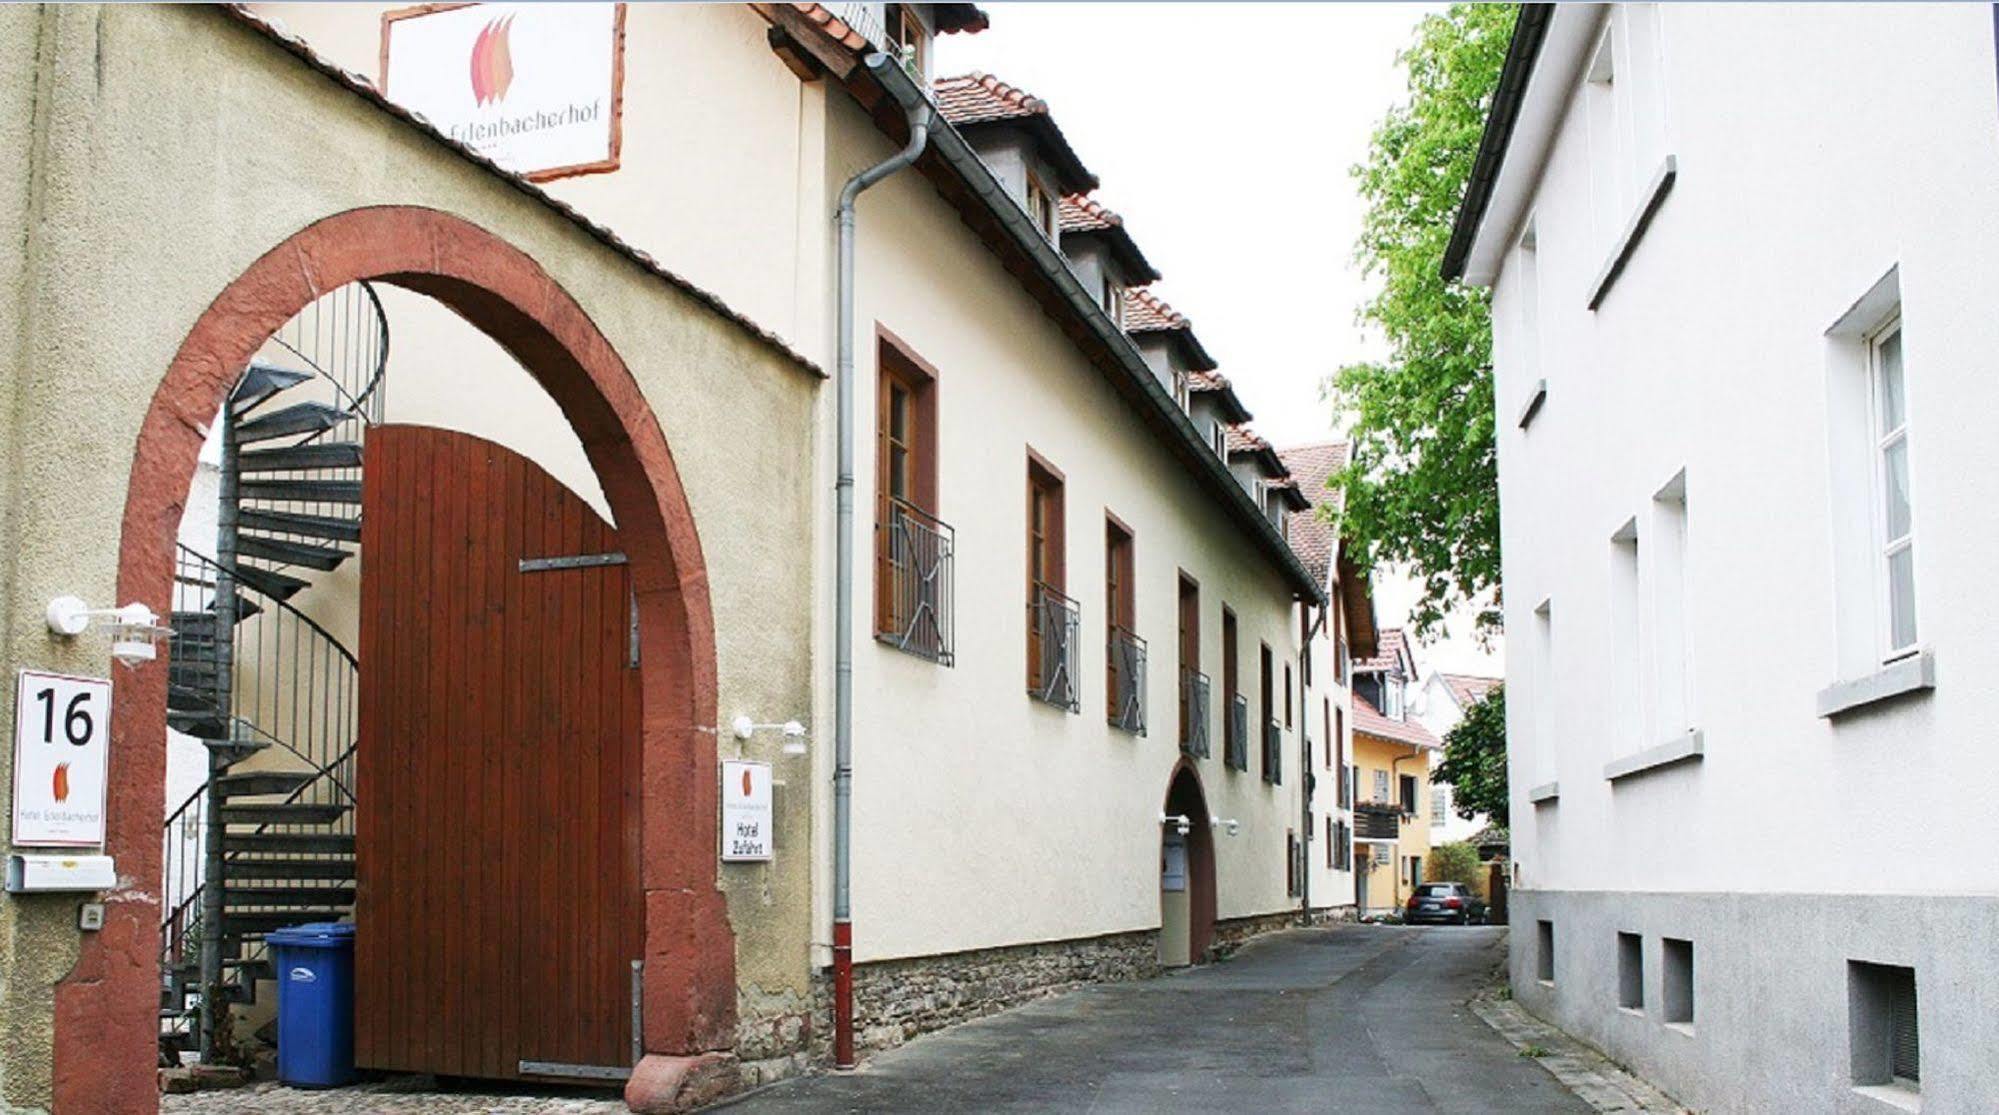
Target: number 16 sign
[(62, 726)]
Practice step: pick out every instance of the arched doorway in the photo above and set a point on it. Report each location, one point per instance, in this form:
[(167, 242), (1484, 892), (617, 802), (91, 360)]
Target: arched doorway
[(1186, 872), (106, 1009)]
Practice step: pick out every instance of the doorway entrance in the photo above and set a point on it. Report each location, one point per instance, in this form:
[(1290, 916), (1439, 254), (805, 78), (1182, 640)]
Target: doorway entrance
[(1186, 872)]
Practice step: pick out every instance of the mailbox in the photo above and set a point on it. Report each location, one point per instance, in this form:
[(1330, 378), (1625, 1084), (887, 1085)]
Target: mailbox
[(59, 873)]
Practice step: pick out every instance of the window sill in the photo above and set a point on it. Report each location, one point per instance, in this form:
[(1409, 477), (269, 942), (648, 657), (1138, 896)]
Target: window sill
[(1685, 1029), (1684, 748), (1547, 793), (1916, 673), (1547, 983), (1634, 231), (1901, 1096), (1534, 400), (1634, 1012)]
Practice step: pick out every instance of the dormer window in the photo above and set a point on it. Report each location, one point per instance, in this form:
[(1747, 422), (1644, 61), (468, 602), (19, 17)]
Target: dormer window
[(1041, 206), (1391, 695), (909, 39), (1221, 442), (1113, 300), (1182, 393)]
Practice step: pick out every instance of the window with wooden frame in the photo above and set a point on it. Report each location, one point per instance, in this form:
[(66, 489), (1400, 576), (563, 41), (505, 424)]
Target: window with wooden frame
[(1053, 617), (1235, 710), (1113, 299), (910, 39), (1124, 651), (1287, 694), (1267, 690), (1193, 683), (913, 548), (1042, 206)]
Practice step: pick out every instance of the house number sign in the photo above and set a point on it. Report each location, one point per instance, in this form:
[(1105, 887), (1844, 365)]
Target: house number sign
[(62, 730), (746, 811)]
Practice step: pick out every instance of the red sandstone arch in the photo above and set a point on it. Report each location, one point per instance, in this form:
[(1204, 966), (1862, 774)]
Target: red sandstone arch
[(106, 1027), (1184, 796)]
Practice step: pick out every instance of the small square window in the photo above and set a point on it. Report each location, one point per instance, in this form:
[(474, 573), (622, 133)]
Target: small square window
[(1631, 971), (1544, 952), (1882, 1025), (1677, 967)]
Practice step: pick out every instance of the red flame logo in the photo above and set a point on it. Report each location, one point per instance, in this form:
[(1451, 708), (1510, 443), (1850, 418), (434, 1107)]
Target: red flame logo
[(492, 62), (62, 782), (746, 782)]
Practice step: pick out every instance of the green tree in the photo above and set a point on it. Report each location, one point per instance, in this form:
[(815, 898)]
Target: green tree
[(1456, 863), (1422, 485), (1475, 760)]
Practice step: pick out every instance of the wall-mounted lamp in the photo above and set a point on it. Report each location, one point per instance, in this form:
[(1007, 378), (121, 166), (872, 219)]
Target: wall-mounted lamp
[(135, 631), (1234, 826), (794, 732), (1179, 821)]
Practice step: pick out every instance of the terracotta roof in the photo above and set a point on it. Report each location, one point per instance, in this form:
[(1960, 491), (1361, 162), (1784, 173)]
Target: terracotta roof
[(1368, 720), (970, 100), (1242, 439), (1389, 655), (1468, 689), (1146, 312), (953, 18), (1198, 382), (1312, 531), (1084, 217), (1086, 214)]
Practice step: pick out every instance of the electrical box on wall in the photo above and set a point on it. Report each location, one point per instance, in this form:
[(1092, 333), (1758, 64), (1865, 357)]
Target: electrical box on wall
[(27, 873)]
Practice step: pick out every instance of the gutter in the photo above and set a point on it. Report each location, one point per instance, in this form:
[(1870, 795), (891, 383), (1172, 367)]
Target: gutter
[(957, 154), (1530, 29), (919, 115)]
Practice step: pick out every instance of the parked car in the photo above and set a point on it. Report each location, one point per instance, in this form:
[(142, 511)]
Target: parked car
[(1444, 904)]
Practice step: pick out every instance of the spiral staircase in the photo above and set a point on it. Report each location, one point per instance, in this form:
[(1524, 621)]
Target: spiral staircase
[(267, 841)]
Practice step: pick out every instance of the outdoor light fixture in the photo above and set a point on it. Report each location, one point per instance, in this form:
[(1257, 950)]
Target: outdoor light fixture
[(1234, 825), (1179, 821), (794, 732), (135, 630)]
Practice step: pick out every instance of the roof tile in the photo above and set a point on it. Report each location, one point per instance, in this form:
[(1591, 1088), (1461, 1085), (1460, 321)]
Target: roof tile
[(1312, 533), (1368, 720)]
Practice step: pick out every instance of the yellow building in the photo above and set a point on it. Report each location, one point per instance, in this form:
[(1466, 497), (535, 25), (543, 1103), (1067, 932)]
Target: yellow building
[(1390, 779)]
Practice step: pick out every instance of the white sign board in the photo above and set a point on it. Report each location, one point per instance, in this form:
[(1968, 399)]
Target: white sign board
[(746, 811), (534, 87), (62, 733), (1173, 863)]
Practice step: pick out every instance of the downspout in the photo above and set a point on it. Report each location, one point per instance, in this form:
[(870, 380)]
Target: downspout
[(1395, 768), (843, 575)]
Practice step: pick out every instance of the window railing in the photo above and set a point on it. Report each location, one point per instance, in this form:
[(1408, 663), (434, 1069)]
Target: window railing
[(1052, 623), (1273, 752), (1126, 660), (1194, 712), (1235, 739), (916, 583), (1377, 820)]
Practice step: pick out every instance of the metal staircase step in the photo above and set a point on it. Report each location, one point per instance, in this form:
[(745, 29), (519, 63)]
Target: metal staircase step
[(260, 382), (290, 553), (232, 751), (299, 418), (301, 491), (289, 843), (270, 582), (234, 896), (259, 923), (254, 783), (333, 528), (297, 458), (188, 698), (251, 870), (200, 725), (282, 813)]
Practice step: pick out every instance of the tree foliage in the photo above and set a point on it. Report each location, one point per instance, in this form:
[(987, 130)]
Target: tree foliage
[(1475, 760), (1422, 485), (1456, 863)]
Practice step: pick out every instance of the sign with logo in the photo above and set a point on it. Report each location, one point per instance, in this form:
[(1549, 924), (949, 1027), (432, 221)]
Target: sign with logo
[(746, 811), (62, 731), (537, 88)]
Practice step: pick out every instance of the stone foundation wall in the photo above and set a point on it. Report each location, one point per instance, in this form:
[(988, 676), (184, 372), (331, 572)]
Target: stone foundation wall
[(1231, 934)]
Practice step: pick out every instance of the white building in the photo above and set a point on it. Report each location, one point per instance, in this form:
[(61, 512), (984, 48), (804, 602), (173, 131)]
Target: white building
[(1743, 312), (1441, 703)]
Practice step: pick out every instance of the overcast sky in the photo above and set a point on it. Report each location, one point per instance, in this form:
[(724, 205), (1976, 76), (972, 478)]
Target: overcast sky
[(1224, 135)]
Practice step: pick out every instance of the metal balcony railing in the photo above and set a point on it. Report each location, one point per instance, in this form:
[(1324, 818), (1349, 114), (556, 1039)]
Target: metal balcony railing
[(1194, 712), (1235, 736), (1052, 624), (1377, 820), (1273, 752), (915, 612), (1125, 659)]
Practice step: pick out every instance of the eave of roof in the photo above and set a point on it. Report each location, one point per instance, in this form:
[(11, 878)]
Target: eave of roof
[(1022, 110), (1369, 721), (365, 89), (1214, 383), (1530, 29), (964, 180), (1178, 327), (1085, 219), (1357, 601), (953, 18)]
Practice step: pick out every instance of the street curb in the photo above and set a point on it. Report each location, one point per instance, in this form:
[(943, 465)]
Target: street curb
[(1584, 1071)]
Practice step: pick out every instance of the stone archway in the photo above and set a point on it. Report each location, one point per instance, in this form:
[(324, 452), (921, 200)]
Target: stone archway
[(106, 1009), (1185, 797)]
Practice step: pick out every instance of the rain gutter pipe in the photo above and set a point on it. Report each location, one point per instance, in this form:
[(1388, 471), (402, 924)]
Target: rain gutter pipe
[(919, 114)]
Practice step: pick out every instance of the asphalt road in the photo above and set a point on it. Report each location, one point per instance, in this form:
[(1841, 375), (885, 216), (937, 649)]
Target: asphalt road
[(1356, 1018)]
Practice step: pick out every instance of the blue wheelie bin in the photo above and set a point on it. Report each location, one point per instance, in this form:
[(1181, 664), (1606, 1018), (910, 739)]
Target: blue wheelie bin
[(314, 967)]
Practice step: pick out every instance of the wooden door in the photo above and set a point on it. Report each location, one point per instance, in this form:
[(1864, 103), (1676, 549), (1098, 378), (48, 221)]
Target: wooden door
[(497, 808)]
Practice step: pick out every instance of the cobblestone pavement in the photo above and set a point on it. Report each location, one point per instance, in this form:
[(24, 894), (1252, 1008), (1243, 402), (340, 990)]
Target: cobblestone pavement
[(399, 1097)]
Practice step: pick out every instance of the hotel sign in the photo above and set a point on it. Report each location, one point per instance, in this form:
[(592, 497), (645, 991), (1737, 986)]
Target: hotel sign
[(537, 88), (62, 733), (746, 811)]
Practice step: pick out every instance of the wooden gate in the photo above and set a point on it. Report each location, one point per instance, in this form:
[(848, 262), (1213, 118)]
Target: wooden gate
[(497, 839)]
